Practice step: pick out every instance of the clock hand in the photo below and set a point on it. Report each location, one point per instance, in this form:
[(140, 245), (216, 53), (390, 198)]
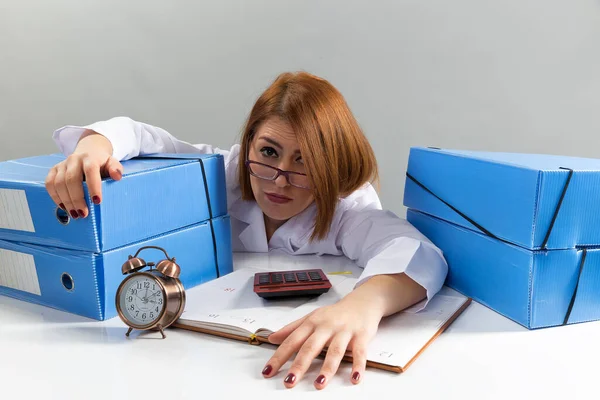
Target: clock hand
[(151, 296), (135, 294), (155, 293)]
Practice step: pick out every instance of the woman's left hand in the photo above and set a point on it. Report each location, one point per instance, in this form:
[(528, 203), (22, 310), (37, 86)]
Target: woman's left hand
[(349, 324)]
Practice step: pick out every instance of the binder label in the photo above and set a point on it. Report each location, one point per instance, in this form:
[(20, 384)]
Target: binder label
[(18, 271), (14, 210)]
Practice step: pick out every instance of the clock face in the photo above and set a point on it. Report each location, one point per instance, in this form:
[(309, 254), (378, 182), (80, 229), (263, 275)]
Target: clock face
[(142, 300)]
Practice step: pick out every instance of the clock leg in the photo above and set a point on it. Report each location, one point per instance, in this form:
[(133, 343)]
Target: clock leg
[(128, 332), (161, 331)]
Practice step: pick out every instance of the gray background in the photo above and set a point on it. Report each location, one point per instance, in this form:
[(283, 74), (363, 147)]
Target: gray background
[(510, 75)]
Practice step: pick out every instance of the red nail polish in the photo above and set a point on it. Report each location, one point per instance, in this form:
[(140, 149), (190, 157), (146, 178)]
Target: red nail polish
[(81, 214), (267, 370), (96, 200), (291, 378), (61, 205), (73, 213), (320, 379), (355, 376)]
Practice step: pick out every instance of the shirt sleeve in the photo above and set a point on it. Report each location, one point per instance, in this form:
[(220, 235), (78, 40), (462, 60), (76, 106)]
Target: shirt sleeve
[(130, 139), (383, 243)]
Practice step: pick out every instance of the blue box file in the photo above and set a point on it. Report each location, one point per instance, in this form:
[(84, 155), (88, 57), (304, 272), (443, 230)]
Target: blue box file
[(531, 200), (44, 275), (157, 194), (536, 288)]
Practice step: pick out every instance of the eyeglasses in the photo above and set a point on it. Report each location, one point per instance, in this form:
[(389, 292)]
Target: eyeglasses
[(269, 173)]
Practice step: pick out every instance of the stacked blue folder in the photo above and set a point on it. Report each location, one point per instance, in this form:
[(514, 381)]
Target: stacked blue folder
[(520, 232), (176, 202)]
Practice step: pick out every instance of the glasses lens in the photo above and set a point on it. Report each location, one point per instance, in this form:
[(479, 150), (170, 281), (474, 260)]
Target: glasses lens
[(262, 171), (299, 180), (267, 172)]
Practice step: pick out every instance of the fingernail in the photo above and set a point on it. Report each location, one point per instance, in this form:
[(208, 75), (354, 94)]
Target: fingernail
[(267, 370), (73, 213), (290, 378), (96, 200), (355, 376), (61, 205), (320, 379), (81, 214)]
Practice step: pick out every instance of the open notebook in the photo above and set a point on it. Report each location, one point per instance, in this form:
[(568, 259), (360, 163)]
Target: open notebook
[(228, 307)]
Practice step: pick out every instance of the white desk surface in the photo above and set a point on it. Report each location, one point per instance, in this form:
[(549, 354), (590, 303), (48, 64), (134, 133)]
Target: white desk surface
[(49, 354)]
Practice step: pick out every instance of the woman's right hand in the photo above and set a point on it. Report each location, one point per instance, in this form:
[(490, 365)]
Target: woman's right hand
[(91, 160)]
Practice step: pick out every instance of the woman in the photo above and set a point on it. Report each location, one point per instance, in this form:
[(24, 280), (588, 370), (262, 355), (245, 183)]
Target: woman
[(299, 181)]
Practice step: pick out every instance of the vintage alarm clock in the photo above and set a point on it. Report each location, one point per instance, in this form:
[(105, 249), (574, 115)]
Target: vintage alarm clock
[(152, 299)]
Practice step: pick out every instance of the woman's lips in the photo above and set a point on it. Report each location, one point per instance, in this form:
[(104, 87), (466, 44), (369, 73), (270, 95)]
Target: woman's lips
[(277, 198)]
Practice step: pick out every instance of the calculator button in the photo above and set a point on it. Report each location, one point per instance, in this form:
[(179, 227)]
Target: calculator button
[(263, 279), (302, 276), (277, 278), (289, 277), (315, 276)]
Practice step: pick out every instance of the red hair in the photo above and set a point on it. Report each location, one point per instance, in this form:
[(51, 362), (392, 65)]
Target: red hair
[(337, 155)]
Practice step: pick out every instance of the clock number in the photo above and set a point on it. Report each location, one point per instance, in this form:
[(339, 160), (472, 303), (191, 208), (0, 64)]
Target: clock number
[(130, 299), (160, 300), (146, 285), (134, 291), (154, 286), (139, 285), (131, 307), (156, 309), (137, 312), (151, 315), (144, 316)]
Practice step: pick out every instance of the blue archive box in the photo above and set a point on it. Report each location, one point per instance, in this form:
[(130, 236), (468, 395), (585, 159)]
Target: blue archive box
[(85, 283), (155, 195), (177, 202), (520, 232)]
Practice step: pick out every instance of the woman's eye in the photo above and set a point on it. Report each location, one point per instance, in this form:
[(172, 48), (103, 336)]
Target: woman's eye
[(268, 151), (300, 161)]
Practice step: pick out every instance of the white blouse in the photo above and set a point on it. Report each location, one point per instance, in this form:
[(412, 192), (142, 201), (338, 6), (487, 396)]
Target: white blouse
[(377, 240)]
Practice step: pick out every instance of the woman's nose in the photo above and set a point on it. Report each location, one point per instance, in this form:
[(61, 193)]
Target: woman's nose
[(281, 181)]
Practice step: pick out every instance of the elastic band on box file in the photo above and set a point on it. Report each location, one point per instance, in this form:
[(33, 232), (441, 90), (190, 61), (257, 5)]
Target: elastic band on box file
[(481, 228), (487, 232), (212, 229), (574, 296), (562, 196)]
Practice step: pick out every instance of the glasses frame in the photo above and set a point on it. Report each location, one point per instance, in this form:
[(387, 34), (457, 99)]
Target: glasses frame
[(278, 173)]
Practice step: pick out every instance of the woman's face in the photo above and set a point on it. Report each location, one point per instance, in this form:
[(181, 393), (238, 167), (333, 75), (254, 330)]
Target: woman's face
[(275, 144)]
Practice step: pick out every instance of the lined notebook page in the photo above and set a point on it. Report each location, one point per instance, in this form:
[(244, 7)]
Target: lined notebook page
[(231, 300), (401, 336), (14, 211), (17, 271)]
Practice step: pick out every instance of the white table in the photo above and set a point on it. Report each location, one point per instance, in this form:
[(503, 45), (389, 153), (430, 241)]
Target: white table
[(55, 355)]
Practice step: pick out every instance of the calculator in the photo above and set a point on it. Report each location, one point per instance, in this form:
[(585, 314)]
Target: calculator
[(302, 282)]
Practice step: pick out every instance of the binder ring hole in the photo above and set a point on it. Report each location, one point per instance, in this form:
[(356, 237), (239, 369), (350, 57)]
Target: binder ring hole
[(62, 216), (67, 281)]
